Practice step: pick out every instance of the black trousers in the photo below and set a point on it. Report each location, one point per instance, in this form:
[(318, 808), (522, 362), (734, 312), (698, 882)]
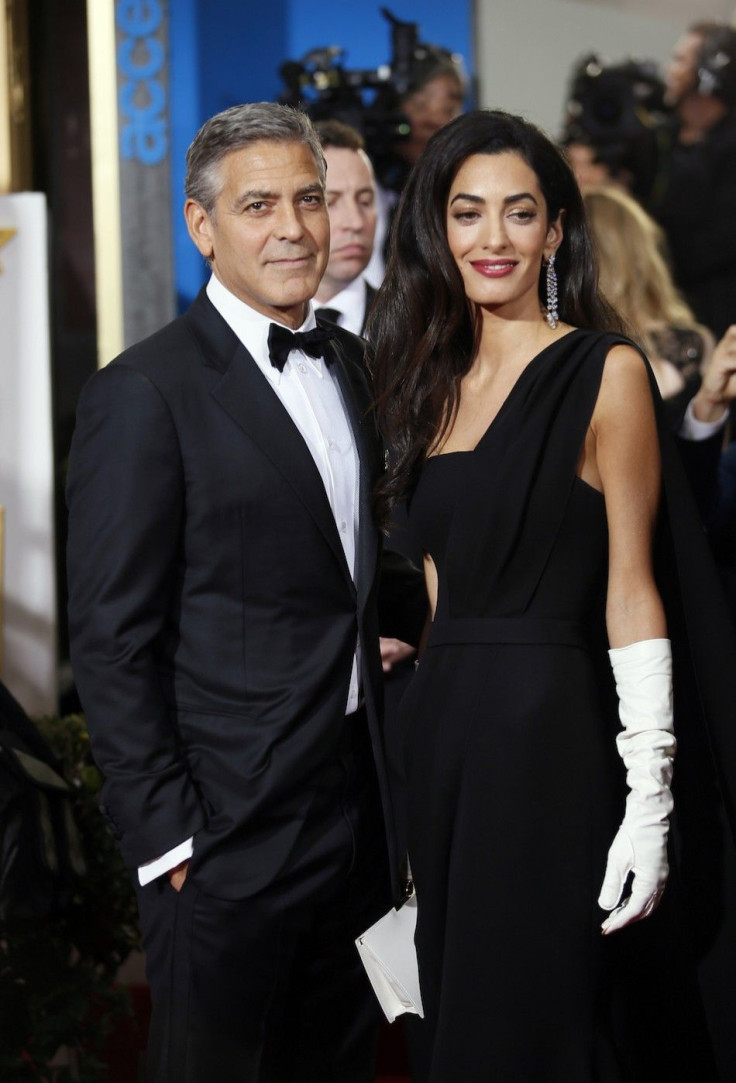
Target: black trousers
[(270, 988)]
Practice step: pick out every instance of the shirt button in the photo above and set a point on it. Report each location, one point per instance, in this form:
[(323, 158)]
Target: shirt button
[(331, 445), (302, 367), (343, 526)]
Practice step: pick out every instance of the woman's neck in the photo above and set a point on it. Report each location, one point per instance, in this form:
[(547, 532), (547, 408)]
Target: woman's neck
[(505, 341)]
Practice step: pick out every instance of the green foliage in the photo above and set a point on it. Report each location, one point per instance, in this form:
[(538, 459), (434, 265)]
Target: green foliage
[(57, 975)]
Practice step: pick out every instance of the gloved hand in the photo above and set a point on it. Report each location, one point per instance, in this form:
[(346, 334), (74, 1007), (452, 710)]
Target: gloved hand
[(643, 673)]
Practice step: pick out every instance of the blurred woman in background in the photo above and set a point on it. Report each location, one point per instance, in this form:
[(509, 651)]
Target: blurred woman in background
[(636, 280)]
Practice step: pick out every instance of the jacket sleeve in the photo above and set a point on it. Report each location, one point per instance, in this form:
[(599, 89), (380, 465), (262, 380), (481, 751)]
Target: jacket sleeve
[(126, 508), (700, 459), (722, 524)]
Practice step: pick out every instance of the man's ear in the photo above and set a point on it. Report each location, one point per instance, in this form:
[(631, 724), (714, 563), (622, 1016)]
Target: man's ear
[(199, 224)]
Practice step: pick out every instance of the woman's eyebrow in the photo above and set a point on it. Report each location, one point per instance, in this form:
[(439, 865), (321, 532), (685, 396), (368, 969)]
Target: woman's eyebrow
[(509, 199)]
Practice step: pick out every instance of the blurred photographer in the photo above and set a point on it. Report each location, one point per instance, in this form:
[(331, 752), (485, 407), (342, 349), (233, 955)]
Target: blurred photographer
[(396, 107), (434, 96), (697, 203), (613, 124)]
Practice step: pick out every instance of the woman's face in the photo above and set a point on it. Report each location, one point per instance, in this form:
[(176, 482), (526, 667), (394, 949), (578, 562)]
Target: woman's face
[(437, 103), (498, 233)]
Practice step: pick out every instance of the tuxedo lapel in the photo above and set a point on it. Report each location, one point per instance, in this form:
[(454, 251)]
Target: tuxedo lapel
[(246, 396), (357, 404)]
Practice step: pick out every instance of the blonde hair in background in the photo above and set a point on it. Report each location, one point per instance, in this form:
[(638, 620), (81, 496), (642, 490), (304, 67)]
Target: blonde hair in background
[(634, 275)]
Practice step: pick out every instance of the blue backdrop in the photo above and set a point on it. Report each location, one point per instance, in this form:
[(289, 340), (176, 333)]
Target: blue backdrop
[(229, 51)]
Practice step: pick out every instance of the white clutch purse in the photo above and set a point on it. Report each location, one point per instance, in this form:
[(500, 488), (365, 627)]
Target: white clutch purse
[(390, 959)]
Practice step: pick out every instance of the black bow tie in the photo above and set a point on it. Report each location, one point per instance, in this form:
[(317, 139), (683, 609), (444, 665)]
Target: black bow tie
[(281, 341), (331, 314)]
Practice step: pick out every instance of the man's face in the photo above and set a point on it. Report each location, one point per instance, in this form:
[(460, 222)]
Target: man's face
[(681, 71), (268, 235), (351, 204), (437, 103)]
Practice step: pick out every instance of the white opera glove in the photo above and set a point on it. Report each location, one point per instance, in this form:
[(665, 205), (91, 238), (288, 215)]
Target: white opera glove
[(643, 673)]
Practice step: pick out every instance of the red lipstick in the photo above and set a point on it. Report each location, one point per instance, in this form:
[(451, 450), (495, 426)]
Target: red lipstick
[(493, 268)]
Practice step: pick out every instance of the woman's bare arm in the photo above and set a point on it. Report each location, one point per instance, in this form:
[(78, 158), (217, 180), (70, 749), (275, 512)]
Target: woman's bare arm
[(627, 462)]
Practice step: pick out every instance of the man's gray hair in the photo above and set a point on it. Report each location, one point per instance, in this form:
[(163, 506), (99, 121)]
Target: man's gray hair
[(236, 128)]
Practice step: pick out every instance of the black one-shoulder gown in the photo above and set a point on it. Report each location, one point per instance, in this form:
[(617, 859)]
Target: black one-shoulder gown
[(515, 789)]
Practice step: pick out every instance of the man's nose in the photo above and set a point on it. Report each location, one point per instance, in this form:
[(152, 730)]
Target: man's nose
[(353, 216), (288, 223)]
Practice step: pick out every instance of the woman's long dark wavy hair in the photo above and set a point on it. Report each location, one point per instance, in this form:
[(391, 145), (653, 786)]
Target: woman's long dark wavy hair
[(422, 329)]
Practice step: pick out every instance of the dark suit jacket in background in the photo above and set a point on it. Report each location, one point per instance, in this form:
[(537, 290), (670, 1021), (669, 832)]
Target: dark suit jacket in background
[(213, 617), (370, 296)]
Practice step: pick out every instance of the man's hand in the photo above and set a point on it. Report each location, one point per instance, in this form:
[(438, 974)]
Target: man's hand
[(718, 388), (394, 651), (178, 875)]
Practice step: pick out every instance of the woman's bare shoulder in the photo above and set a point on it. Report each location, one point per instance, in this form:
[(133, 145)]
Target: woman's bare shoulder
[(625, 394), (625, 373)]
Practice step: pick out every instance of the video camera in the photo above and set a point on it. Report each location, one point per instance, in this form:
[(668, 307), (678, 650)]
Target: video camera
[(619, 111), (369, 100)]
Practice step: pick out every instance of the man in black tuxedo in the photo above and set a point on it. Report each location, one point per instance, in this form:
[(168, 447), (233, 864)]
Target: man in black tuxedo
[(344, 295), (224, 601)]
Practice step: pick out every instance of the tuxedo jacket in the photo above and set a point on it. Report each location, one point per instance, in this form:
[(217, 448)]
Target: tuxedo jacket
[(213, 618)]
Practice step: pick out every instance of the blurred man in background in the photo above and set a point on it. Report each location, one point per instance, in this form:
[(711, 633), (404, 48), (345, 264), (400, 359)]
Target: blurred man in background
[(344, 295), (697, 207)]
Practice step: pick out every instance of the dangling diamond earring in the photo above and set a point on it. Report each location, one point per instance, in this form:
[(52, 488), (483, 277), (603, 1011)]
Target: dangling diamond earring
[(552, 313)]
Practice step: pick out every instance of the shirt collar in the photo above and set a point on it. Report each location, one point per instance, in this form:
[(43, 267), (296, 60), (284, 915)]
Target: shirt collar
[(251, 328), (349, 302)]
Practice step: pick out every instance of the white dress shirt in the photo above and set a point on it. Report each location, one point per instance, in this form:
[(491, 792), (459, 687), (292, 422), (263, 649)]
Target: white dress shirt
[(350, 303), (311, 395), (693, 429)]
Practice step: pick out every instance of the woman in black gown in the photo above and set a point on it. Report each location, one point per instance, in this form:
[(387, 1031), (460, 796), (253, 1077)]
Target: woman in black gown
[(524, 425)]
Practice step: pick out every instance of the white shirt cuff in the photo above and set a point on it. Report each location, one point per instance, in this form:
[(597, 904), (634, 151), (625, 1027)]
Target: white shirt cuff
[(692, 429), (153, 869)]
